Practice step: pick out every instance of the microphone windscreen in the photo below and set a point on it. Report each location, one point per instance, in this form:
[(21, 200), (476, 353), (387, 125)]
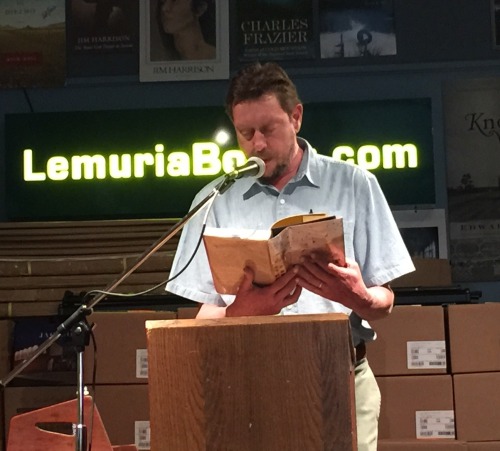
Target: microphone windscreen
[(261, 166)]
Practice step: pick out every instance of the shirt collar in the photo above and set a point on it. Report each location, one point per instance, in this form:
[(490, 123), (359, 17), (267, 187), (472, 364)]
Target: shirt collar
[(305, 176)]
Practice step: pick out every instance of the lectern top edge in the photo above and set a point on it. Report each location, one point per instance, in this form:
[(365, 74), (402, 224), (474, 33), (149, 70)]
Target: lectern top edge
[(247, 320)]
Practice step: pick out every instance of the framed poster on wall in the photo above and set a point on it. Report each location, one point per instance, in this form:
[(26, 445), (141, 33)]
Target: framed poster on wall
[(357, 29), (275, 30), (102, 38), (32, 43), (171, 51), (471, 111), (424, 232)]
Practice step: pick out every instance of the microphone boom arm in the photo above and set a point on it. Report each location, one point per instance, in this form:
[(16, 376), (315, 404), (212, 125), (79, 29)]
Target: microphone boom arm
[(84, 310), (76, 322)]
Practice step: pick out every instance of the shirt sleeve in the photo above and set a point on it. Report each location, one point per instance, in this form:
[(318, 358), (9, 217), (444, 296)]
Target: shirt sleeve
[(190, 276), (379, 248)]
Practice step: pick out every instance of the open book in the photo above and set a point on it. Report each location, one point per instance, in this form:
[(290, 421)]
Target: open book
[(271, 252)]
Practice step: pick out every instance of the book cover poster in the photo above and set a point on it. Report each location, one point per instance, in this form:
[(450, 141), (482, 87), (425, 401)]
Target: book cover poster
[(275, 30), (424, 232), (357, 28), (102, 37), (32, 43), (472, 133), (184, 40)]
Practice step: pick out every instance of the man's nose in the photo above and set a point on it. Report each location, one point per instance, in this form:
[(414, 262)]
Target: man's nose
[(259, 141)]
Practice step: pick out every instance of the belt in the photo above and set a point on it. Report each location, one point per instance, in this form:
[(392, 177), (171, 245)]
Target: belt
[(360, 351)]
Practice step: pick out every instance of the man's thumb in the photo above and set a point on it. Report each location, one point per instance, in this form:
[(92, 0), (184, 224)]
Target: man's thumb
[(247, 280)]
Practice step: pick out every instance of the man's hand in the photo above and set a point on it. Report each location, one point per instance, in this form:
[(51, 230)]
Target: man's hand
[(253, 300), (344, 285)]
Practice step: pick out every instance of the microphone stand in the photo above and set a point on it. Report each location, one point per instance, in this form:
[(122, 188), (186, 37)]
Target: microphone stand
[(78, 328)]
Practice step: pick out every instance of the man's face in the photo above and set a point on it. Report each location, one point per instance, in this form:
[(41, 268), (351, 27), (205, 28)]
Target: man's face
[(176, 15), (266, 131)]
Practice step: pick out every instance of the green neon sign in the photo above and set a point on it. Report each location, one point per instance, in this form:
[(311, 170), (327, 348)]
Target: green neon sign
[(151, 163), (207, 159)]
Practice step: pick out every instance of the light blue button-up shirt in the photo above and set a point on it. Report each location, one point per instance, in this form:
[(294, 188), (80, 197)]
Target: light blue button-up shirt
[(321, 185)]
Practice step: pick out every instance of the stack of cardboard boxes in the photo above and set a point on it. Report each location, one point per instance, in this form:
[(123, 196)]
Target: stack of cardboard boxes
[(438, 369), (474, 342), (119, 388)]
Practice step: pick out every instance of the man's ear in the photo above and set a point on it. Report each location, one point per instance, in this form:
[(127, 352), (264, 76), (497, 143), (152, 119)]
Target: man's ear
[(296, 116)]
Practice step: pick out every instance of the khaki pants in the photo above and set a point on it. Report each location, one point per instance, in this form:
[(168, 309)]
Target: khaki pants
[(368, 400)]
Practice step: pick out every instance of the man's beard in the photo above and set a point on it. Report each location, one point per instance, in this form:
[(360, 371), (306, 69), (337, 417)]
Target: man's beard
[(279, 170)]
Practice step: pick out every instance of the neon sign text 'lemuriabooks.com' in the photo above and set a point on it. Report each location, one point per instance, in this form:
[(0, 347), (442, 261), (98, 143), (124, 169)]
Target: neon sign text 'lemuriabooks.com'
[(206, 159)]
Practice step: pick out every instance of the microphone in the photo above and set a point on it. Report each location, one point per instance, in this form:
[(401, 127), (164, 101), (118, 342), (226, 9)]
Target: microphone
[(254, 167)]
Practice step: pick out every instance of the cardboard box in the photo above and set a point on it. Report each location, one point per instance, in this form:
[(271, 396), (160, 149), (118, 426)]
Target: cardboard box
[(416, 407), (422, 445), (483, 446), (56, 365), (477, 406), (474, 331), (124, 410), (25, 399), (121, 346), (429, 272), (411, 340)]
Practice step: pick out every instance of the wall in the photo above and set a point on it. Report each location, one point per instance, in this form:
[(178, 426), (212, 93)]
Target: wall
[(438, 40)]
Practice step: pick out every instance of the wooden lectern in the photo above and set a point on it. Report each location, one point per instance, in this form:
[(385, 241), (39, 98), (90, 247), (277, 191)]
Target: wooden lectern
[(252, 383)]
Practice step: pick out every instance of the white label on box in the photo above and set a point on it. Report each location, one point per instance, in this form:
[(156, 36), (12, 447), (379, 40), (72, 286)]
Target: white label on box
[(435, 423), (141, 363), (426, 354), (142, 435)]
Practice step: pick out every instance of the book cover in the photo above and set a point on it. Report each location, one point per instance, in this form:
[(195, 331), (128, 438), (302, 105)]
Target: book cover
[(471, 109), (275, 30), (270, 253), (102, 37), (32, 43), (357, 28), (178, 43)]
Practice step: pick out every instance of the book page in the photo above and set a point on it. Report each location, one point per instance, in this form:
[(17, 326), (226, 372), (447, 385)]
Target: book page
[(323, 238), (250, 234)]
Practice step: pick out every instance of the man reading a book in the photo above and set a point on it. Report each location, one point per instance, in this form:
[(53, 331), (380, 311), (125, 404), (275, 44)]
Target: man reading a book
[(266, 112)]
